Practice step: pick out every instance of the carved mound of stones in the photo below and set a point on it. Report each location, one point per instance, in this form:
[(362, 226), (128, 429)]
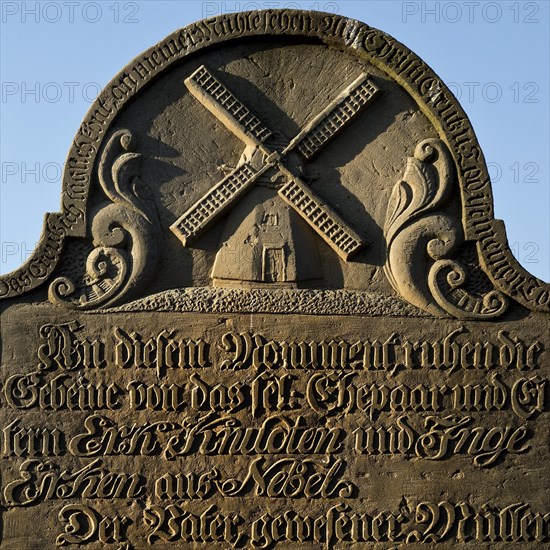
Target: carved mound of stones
[(259, 300)]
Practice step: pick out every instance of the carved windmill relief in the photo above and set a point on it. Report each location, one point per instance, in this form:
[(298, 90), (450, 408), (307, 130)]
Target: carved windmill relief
[(270, 160)]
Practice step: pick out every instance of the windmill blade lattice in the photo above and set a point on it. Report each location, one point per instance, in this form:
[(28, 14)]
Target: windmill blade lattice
[(320, 217), (209, 207), (226, 107), (327, 124)]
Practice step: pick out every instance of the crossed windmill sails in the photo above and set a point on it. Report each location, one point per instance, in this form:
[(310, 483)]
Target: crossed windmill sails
[(262, 157)]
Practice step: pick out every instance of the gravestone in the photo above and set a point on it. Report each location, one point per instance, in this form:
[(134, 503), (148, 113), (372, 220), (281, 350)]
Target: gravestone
[(274, 310)]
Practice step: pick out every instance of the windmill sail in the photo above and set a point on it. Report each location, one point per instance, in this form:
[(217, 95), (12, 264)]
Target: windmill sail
[(212, 204), (318, 132), (320, 217), (226, 107)]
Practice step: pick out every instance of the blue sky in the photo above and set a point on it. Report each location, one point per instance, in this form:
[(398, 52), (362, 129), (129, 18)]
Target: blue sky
[(56, 56)]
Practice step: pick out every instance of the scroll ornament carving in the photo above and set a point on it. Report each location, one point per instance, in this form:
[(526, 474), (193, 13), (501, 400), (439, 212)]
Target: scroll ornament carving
[(424, 244), (124, 233)]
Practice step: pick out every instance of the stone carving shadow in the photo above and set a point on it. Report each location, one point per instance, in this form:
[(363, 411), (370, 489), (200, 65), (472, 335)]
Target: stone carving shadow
[(156, 173)]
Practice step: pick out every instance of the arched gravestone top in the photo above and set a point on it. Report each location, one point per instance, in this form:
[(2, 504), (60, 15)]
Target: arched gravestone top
[(274, 311), (406, 168)]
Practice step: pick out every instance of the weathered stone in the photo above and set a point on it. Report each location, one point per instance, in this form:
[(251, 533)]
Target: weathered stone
[(275, 310)]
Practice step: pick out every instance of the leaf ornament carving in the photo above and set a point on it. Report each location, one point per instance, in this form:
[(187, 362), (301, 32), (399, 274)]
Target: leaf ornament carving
[(424, 243), (124, 234)]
